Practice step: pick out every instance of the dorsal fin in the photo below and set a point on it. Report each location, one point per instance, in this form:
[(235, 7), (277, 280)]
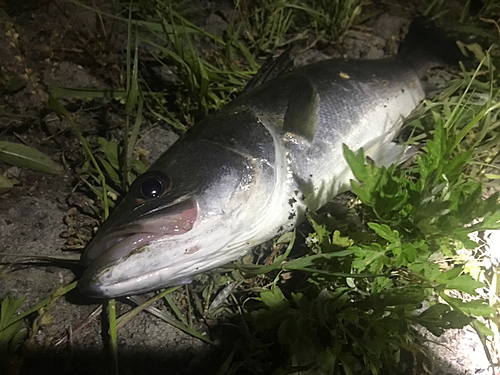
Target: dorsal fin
[(272, 68), (302, 111)]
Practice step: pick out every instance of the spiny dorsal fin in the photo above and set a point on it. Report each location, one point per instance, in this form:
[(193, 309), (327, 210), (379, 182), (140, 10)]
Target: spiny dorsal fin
[(302, 111), (272, 68)]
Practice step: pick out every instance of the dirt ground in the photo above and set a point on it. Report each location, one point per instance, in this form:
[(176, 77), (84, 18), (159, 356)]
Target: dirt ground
[(51, 43)]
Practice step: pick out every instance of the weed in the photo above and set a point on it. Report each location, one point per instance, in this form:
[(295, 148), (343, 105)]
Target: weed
[(355, 312), (352, 308)]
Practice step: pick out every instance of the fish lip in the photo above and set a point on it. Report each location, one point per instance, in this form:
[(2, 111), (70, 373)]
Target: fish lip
[(108, 241), (119, 243), (184, 212)]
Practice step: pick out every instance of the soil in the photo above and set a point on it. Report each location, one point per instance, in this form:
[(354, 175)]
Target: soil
[(52, 43)]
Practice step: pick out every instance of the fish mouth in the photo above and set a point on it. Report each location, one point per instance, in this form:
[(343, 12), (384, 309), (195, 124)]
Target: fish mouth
[(117, 244)]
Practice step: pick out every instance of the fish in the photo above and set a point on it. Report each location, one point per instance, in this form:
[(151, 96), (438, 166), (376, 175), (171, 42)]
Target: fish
[(253, 169)]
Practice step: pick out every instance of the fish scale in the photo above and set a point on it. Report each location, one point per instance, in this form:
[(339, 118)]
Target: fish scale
[(251, 170)]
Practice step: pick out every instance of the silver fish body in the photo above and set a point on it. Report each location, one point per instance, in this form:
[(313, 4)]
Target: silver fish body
[(249, 172)]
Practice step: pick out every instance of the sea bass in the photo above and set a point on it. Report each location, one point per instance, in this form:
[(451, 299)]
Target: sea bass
[(251, 170)]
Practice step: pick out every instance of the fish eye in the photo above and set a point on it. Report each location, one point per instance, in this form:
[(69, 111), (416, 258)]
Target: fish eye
[(151, 188), (153, 185)]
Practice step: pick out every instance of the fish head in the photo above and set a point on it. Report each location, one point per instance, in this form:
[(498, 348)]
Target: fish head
[(178, 219)]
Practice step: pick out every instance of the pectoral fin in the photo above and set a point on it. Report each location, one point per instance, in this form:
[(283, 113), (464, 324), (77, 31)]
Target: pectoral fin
[(302, 111), (386, 154)]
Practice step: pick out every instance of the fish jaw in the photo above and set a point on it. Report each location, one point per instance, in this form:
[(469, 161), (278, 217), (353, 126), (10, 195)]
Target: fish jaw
[(115, 245), (163, 262)]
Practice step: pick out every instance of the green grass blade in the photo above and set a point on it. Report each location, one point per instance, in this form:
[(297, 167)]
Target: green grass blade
[(59, 109), (58, 92), (28, 157), (113, 340), (175, 309), (173, 322), (53, 297)]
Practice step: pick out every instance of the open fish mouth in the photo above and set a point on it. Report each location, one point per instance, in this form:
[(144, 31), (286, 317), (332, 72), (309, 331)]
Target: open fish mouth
[(117, 244)]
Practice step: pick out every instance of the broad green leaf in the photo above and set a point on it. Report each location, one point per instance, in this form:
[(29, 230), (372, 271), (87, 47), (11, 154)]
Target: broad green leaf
[(429, 269), (440, 317), (347, 361), (138, 166), (435, 311), (483, 328), (6, 184), (464, 283), (449, 275), (274, 298), (11, 332), (380, 284), (320, 230), (328, 358), (288, 330), (406, 255), (385, 232), (372, 257), (9, 307), (340, 241), (357, 162), (11, 83), (28, 157), (475, 307), (111, 151), (109, 169)]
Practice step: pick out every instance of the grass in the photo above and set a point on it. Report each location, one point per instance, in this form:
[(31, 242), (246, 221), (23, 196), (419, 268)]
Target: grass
[(358, 284), (417, 225)]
